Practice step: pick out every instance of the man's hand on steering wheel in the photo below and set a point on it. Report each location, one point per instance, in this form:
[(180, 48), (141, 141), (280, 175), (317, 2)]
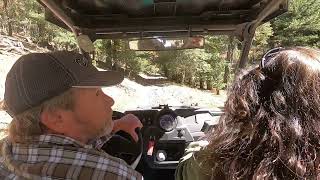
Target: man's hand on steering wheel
[(126, 143), (128, 124)]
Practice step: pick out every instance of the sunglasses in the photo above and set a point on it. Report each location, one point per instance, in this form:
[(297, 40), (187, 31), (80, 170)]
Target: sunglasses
[(269, 55)]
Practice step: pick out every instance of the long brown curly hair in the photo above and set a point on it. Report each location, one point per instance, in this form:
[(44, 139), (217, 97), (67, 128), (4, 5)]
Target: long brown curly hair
[(271, 125)]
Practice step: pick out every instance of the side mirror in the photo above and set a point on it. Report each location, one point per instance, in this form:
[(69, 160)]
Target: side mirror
[(164, 44)]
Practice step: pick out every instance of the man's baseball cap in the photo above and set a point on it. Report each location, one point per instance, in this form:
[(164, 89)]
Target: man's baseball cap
[(37, 77)]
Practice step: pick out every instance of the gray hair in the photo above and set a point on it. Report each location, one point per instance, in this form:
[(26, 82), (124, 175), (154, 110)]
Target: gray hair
[(27, 124)]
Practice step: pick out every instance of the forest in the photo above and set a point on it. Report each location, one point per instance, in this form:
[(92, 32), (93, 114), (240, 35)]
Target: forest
[(211, 67)]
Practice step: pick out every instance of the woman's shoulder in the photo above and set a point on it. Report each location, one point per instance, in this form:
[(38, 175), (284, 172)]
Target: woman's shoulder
[(190, 169)]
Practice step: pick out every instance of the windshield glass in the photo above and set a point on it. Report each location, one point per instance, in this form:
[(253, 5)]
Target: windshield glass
[(190, 77)]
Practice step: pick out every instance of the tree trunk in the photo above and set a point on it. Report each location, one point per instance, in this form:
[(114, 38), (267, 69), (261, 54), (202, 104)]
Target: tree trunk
[(108, 59), (229, 60), (183, 77), (115, 60), (5, 6), (201, 83), (166, 71), (209, 84), (191, 80)]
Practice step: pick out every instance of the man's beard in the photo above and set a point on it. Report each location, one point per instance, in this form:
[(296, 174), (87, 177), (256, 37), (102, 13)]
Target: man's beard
[(93, 133), (107, 129), (104, 131)]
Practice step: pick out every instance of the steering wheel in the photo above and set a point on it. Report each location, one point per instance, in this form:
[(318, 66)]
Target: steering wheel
[(123, 146)]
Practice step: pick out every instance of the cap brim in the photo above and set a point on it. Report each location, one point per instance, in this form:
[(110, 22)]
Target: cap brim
[(102, 78)]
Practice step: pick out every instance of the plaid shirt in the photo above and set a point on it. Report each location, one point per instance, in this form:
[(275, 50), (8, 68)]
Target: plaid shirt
[(58, 157)]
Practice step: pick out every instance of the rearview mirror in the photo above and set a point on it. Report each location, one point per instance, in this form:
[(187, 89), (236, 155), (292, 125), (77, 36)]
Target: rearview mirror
[(163, 44)]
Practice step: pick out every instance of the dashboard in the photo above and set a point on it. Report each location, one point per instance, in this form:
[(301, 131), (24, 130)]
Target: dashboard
[(168, 130)]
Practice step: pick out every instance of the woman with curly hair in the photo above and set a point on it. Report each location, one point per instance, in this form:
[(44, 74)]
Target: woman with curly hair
[(271, 125)]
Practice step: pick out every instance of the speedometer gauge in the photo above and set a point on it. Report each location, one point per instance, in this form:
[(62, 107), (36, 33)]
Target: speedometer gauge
[(167, 122)]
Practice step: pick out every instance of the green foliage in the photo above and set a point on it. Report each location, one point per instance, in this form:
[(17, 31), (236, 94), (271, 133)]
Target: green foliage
[(14, 13), (196, 65), (262, 35), (260, 41), (217, 47), (64, 40), (116, 53), (148, 67), (183, 66), (27, 18), (300, 26)]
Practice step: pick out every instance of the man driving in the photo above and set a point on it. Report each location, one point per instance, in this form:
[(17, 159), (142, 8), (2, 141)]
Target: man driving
[(61, 118)]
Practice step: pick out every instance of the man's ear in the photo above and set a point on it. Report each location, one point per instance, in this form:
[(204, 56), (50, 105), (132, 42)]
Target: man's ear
[(53, 120)]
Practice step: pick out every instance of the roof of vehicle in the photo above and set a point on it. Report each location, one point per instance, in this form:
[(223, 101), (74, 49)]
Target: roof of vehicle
[(148, 18), (127, 19)]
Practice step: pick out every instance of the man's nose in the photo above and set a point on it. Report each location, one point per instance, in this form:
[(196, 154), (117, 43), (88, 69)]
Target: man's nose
[(109, 100)]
